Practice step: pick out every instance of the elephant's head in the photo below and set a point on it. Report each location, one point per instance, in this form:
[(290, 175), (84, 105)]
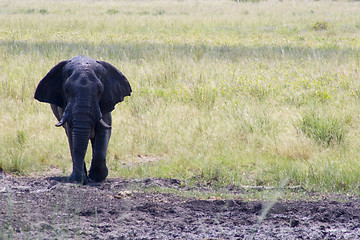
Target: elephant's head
[(85, 90)]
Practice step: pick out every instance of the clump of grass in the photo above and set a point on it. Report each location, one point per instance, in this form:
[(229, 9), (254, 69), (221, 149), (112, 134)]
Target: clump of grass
[(144, 13), (43, 11), (159, 12), (30, 10), (325, 130), (15, 155), (112, 11), (320, 26), (203, 97)]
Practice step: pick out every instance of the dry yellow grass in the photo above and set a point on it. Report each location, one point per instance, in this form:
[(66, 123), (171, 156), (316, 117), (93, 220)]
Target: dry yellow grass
[(221, 89)]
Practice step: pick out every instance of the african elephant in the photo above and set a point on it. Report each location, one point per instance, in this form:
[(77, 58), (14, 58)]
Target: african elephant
[(82, 93)]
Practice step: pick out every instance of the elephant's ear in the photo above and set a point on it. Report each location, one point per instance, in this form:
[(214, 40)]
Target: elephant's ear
[(50, 88), (116, 87)]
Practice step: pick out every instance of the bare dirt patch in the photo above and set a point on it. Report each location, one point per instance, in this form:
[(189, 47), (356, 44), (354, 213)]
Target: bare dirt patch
[(51, 208)]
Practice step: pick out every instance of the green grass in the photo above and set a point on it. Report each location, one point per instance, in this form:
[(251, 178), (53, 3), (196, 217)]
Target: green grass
[(224, 92)]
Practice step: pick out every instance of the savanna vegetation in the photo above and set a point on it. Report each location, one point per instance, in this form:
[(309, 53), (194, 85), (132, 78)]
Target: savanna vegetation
[(224, 92)]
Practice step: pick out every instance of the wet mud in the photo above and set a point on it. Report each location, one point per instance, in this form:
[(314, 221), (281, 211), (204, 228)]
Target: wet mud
[(52, 208)]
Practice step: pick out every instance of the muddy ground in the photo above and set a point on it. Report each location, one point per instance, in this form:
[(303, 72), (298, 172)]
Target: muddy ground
[(51, 208)]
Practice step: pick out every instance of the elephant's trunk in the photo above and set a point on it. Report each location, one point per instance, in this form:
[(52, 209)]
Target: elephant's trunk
[(82, 122), (80, 140)]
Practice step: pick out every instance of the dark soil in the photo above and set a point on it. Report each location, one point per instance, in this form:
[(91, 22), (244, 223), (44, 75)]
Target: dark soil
[(51, 208)]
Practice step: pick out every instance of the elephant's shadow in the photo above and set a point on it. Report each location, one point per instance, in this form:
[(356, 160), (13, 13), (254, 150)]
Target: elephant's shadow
[(63, 179)]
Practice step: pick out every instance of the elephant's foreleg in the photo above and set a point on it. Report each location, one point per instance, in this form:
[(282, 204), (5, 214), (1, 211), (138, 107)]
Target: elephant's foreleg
[(98, 170)]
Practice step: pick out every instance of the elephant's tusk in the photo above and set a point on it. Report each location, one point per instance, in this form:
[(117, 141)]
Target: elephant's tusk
[(104, 124), (61, 123)]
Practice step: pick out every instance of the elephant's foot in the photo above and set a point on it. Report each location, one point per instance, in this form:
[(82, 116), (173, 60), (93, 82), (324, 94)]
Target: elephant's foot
[(78, 178), (98, 174)]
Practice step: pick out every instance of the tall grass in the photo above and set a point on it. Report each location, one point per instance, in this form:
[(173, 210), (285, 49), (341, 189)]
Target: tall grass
[(224, 92)]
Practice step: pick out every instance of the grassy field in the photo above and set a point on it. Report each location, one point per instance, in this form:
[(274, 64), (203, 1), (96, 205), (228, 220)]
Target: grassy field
[(224, 92)]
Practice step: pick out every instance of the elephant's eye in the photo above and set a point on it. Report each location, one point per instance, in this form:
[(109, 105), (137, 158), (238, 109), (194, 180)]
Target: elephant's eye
[(99, 92), (67, 91)]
